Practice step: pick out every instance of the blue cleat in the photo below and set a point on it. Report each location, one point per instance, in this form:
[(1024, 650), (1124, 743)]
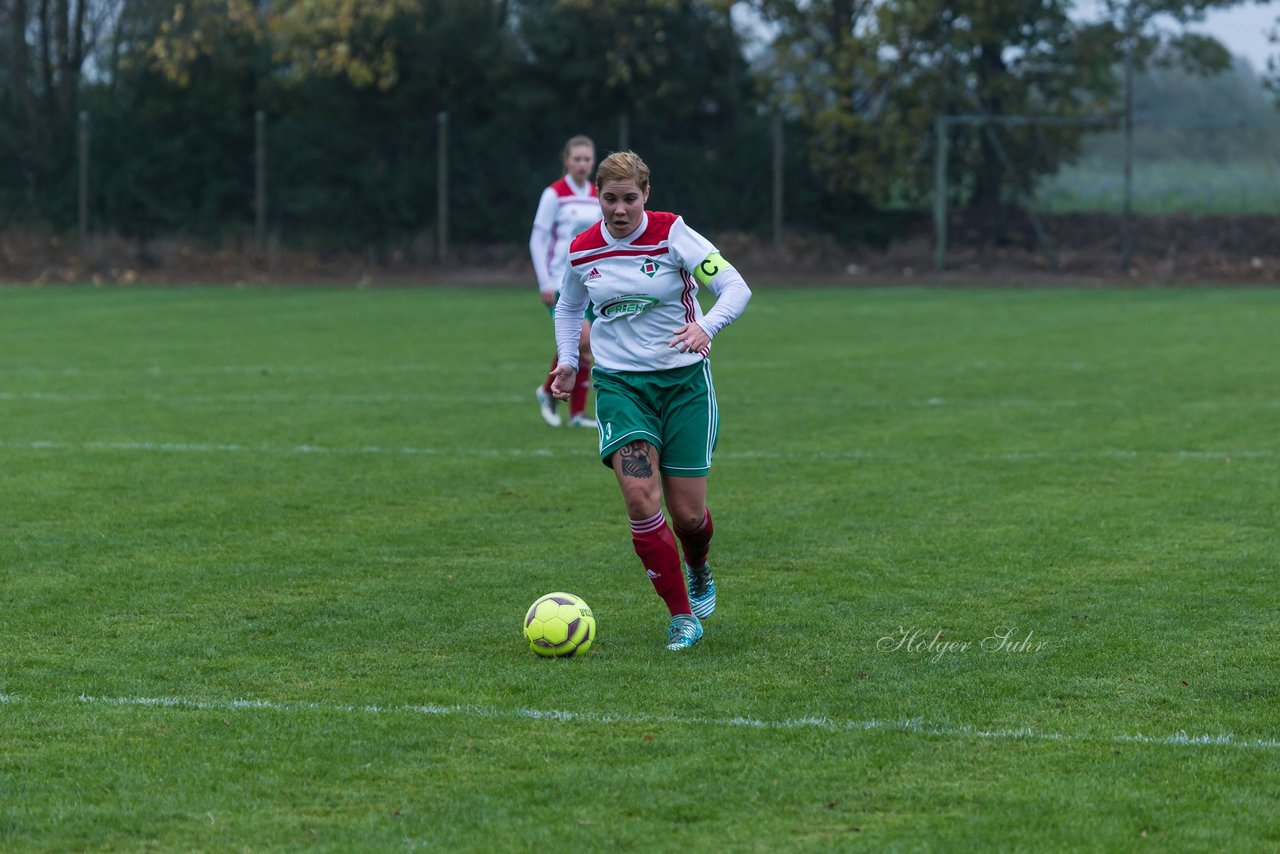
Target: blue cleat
[(702, 590), (684, 632)]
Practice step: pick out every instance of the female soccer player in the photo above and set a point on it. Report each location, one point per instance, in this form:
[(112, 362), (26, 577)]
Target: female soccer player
[(566, 208), (655, 402)]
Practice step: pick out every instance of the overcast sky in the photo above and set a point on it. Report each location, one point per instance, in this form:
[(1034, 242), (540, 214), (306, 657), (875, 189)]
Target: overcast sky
[(1243, 30)]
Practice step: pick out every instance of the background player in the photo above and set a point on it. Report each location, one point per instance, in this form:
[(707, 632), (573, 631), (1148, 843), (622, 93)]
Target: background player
[(566, 207)]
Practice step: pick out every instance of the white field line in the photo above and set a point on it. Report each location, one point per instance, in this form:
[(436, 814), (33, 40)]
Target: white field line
[(61, 397), (408, 450), (322, 397), (271, 450), (207, 370), (356, 368), (916, 726)]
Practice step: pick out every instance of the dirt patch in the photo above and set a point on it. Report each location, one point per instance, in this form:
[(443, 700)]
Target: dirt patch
[(1088, 250)]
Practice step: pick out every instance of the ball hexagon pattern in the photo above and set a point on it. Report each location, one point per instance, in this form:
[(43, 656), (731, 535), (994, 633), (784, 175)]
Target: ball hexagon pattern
[(560, 625)]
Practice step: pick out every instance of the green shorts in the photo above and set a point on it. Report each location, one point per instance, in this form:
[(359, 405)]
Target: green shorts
[(675, 410)]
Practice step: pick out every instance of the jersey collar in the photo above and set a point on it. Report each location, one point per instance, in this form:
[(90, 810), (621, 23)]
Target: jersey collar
[(644, 223)]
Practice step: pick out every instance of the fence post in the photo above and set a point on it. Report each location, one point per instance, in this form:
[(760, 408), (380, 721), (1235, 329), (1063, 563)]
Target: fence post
[(442, 187), (939, 192), (1126, 217), (777, 183), (260, 179), (83, 181)]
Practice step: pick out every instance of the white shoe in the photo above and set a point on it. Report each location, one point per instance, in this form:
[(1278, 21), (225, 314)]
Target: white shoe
[(582, 421), (547, 406)]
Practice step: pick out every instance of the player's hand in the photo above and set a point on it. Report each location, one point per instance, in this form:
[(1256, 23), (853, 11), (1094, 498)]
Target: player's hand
[(691, 338), (548, 298), (562, 379)]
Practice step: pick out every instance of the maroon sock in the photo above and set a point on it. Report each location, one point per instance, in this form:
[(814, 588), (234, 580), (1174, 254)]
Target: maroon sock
[(546, 384), (657, 550), (697, 541), (578, 397)]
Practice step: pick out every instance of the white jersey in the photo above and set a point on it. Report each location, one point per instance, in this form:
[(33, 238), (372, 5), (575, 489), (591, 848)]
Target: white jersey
[(564, 209), (642, 289)]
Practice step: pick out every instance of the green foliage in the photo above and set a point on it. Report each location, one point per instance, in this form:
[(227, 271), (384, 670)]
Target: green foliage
[(352, 90), (824, 68), (677, 62), (872, 79), (266, 555)]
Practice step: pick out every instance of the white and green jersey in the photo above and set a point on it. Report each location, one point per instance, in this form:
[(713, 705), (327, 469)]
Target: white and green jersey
[(643, 288)]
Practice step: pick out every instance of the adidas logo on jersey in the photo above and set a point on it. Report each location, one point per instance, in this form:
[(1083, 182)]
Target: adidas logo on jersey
[(652, 574), (593, 275)]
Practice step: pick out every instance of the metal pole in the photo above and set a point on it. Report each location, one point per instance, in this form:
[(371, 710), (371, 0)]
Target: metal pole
[(442, 187), (777, 183), (939, 192), (1126, 218), (84, 177), (260, 179)]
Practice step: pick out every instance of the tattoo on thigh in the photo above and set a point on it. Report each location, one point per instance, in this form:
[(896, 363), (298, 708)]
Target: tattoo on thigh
[(635, 460)]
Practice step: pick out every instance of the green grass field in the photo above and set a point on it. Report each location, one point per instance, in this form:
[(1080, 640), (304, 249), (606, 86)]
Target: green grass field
[(265, 556)]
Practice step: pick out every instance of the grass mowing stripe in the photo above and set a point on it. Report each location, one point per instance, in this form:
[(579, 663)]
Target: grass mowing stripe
[(56, 397), (913, 726), (853, 454)]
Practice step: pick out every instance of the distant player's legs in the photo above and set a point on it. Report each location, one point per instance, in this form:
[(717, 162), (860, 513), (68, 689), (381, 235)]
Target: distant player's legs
[(546, 384), (582, 383), (547, 403)]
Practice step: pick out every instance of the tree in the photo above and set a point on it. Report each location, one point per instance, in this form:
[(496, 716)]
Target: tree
[(823, 67), (666, 60), (46, 48), (997, 58), (671, 74), (1271, 74), (334, 38), (870, 77)]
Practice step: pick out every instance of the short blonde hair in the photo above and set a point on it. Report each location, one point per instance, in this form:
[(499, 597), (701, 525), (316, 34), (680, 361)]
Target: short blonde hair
[(574, 142), (623, 166)]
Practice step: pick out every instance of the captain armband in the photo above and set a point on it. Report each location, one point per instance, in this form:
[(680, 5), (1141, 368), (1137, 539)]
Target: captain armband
[(710, 268)]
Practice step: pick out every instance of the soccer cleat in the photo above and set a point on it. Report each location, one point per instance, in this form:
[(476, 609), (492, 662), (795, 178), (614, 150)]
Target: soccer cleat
[(581, 420), (684, 632), (702, 590), (547, 406)]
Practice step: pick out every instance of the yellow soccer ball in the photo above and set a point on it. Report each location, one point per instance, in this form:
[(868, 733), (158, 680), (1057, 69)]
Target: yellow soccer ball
[(559, 624)]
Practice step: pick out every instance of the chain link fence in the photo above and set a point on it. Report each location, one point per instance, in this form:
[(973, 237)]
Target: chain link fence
[(410, 187), (412, 190)]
